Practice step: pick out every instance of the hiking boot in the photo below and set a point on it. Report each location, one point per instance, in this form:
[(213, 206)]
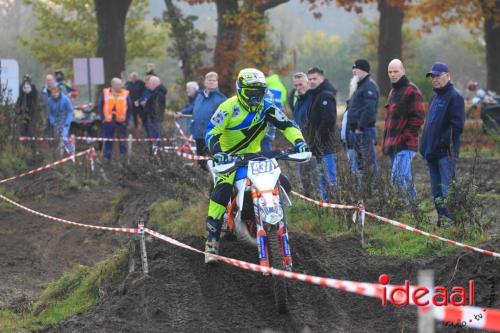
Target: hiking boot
[(211, 247)]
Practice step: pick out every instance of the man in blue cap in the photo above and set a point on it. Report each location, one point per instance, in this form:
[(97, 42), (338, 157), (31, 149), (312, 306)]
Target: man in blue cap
[(440, 142)]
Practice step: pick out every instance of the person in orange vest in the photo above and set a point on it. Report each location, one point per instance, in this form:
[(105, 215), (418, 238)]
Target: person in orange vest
[(114, 108)]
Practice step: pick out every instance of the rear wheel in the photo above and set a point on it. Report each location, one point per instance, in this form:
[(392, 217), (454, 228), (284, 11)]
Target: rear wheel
[(280, 285)]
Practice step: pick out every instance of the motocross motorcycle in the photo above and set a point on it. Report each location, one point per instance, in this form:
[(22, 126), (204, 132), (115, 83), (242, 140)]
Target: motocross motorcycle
[(256, 212), (87, 123)]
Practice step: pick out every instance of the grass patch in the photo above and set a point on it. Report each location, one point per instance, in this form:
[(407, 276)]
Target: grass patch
[(74, 293), (380, 239), (4, 205), (306, 218), (173, 217), (387, 240), (13, 161)]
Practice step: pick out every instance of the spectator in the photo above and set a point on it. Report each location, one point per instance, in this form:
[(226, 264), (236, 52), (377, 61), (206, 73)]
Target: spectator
[(135, 87), (154, 109), (403, 119), (151, 70), (114, 108), (344, 131), (301, 106), (50, 82), (303, 99), (361, 120), (441, 137), (60, 116), (205, 105), (65, 86), (143, 99), (192, 89), (27, 107), (277, 94), (320, 128)]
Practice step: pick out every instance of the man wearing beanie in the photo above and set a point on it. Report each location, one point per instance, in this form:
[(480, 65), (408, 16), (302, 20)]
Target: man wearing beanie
[(361, 119), (403, 119)]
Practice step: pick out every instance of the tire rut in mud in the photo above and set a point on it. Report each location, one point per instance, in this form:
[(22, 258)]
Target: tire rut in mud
[(181, 294)]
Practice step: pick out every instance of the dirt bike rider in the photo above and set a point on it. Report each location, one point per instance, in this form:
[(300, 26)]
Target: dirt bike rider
[(238, 127)]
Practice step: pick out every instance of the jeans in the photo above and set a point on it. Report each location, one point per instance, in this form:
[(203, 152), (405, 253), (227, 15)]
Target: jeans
[(442, 172), (401, 174), (109, 129), (364, 147), (351, 155), (153, 130), (326, 174), (62, 134)]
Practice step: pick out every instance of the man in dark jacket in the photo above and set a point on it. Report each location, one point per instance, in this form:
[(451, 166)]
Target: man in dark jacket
[(154, 108), (320, 128), (303, 99), (403, 119), (136, 87), (361, 119), (205, 105), (441, 137)]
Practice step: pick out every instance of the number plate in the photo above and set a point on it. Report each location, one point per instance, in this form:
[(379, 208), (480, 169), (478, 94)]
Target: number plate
[(259, 167)]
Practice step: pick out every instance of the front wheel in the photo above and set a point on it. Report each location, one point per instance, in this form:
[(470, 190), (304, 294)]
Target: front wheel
[(280, 285)]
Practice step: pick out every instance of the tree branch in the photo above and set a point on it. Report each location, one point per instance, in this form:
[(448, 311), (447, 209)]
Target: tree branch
[(265, 5)]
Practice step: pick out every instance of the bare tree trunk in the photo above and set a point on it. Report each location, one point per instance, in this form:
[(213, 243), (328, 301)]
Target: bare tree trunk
[(390, 42), (111, 16), (492, 39), (227, 45)]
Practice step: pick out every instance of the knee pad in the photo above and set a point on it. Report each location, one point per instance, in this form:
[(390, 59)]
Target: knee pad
[(213, 226)]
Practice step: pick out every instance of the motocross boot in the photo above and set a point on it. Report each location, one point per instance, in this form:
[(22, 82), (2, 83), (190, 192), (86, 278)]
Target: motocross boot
[(212, 244)]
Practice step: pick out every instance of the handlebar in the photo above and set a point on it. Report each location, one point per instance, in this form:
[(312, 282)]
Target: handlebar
[(242, 160)]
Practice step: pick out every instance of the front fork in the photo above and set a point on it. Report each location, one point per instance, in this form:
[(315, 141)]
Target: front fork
[(261, 235)]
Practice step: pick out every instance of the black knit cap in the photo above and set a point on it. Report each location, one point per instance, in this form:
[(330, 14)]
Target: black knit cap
[(362, 64)]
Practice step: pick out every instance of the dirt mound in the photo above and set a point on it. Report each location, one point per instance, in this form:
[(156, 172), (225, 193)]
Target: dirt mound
[(181, 294)]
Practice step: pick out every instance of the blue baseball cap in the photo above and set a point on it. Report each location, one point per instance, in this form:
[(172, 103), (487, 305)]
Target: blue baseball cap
[(438, 68)]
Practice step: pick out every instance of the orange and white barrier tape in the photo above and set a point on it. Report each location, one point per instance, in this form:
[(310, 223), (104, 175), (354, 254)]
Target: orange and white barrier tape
[(89, 151), (35, 138), (181, 131), (324, 204), (57, 219), (427, 234), (489, 320), (193, 157), (92, 138), (400, 225), (183, 154)]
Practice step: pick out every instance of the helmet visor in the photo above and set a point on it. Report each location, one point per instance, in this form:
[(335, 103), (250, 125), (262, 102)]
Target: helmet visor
[(253, 96)]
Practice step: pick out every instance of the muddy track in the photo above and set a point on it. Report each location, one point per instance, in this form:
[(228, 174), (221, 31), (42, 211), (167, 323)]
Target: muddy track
[(36, 251), (181, 294)]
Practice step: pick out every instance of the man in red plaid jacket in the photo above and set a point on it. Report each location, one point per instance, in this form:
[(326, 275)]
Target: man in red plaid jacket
[(403, 119)]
